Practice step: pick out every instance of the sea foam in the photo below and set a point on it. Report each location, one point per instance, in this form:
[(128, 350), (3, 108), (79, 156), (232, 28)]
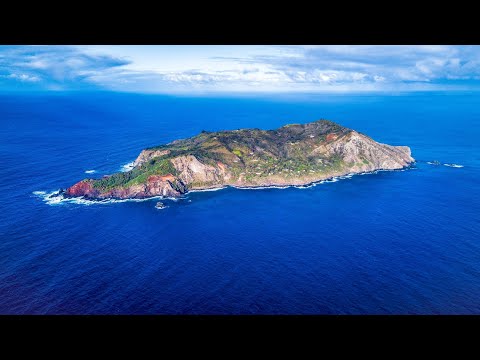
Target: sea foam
[(206, 190), (90, 171), (454, 165), (127, 167), (56, 198)]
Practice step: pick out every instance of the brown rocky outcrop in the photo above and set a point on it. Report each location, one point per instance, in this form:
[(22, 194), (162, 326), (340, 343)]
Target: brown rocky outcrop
[(82, 188)]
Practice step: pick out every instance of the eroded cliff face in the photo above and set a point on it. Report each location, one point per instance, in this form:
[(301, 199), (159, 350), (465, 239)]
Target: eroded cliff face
[(292, 155), (156, 185), (146, 155), (361, 153), (190, 170), (83, 188)]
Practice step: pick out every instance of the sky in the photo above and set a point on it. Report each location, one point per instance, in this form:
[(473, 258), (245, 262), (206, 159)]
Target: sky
[(202, 69)]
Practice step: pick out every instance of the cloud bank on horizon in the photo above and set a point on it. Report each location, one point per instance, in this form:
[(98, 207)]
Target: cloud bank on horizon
[(234, 69)]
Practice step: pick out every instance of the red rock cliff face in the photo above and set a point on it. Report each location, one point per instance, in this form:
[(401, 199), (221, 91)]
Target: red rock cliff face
[(156, 185), (83, 188)]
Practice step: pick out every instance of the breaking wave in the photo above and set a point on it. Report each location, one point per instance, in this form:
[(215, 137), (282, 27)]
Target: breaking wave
[(262, 187), (205, 190), (90, 171), (127, 167), (436, 163), (56, 198)]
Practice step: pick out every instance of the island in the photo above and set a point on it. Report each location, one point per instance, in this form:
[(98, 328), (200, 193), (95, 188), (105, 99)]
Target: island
[(295, 154)]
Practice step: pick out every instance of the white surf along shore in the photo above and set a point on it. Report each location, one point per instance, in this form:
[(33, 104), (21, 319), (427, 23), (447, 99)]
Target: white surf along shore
[(56, 198), (438, 163), (127, 167)]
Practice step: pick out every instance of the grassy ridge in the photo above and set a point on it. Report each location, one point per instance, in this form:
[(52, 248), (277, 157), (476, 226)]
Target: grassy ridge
[(251, 153), (136, 176)]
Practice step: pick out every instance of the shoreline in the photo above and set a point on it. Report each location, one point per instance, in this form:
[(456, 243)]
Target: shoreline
[(49, 198), (302, 185)]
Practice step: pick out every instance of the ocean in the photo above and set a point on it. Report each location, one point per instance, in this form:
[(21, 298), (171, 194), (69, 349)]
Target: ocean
[(394, 242)]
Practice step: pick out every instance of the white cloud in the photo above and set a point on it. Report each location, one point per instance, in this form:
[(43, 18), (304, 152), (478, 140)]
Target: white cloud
[(24, 77), (175, 69), (57, 66)]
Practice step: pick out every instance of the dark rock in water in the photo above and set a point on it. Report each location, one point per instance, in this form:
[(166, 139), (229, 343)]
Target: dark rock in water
[(160, 205)]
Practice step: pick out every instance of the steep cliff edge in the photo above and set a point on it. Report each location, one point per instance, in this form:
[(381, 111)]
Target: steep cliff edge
[(291, 155)]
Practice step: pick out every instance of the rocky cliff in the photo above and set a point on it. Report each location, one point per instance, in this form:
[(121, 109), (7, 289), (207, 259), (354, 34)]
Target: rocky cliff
[(291, 155)]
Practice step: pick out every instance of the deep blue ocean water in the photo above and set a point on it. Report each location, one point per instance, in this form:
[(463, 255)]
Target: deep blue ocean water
[(402, 242)]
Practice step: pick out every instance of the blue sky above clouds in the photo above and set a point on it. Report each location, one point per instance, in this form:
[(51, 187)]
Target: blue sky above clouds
[(246, 69)]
